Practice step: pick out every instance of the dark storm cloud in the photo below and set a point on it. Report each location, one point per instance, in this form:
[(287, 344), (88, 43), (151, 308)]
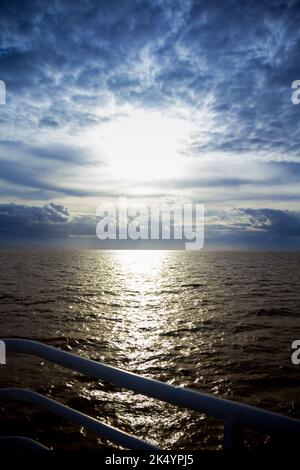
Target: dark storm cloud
[(51, 220), (274, 221), (253, 229), (19, 220)]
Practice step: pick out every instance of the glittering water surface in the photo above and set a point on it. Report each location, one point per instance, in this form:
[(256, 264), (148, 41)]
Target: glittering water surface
[(221, 323)]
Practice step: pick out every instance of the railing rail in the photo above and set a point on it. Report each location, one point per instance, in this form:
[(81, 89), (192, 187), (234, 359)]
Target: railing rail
[(22, 443), (235, 415), (76, 417)]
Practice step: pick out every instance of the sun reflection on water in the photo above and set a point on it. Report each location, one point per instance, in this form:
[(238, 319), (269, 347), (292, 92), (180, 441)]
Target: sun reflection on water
[(142, 317), (141, 262)]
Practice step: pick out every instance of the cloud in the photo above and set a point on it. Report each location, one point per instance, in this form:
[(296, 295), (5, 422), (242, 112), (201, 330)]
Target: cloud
[(276, 222), (42, 168), (49, 221), (156, 55), (20, 220), (253, 229), (247, 228), (48, 121), (71, 70), (62, 152)]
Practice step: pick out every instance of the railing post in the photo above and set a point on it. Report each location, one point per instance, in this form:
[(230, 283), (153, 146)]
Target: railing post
[(233, 435)]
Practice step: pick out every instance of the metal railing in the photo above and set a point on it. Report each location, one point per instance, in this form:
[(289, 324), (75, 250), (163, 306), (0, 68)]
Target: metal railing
[(236, 416), (92, 424)]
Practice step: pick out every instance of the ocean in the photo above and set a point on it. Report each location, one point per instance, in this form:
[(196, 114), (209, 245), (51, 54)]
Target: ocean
[(217, 322)]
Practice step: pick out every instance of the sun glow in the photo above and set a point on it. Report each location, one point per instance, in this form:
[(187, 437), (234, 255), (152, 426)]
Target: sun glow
[(145, 146)]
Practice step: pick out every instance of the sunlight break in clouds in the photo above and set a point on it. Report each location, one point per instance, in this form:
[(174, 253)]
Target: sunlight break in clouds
[(143, 146)]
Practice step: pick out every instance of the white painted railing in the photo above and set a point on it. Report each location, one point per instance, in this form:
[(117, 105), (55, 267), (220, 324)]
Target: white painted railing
[(236, 416)]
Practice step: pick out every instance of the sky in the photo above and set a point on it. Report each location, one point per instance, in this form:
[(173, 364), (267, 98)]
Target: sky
[(156, 100)]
